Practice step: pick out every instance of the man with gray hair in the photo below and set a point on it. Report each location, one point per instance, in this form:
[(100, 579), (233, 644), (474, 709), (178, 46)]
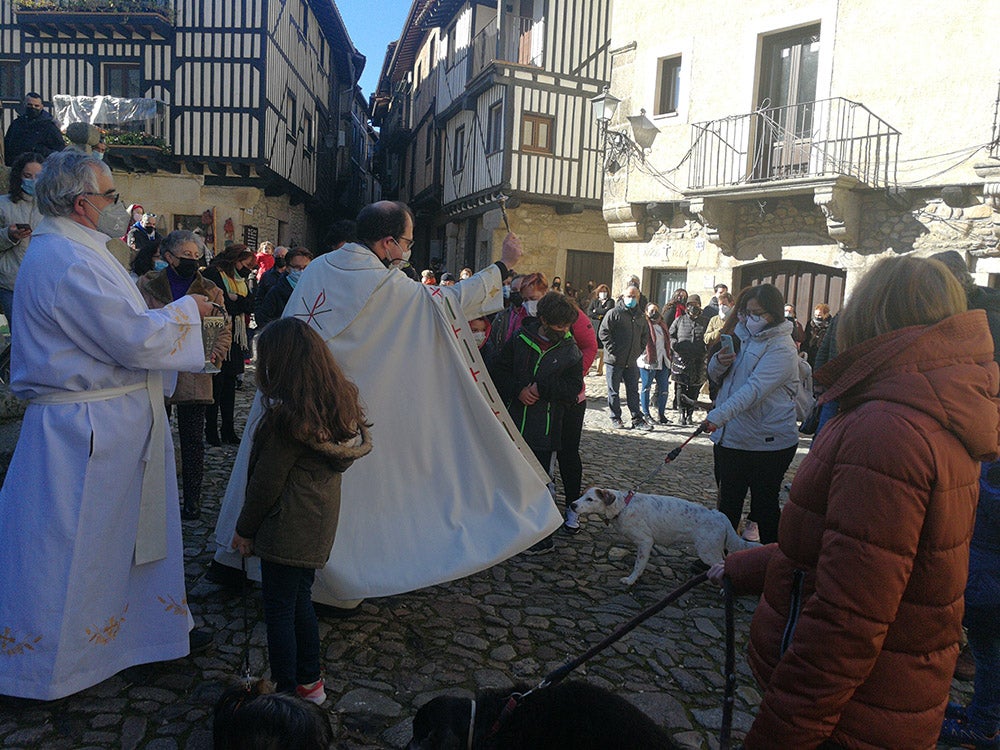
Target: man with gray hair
[(624, 333), (90, 540)]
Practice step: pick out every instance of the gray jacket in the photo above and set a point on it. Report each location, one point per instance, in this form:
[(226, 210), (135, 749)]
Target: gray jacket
[(755, 405)]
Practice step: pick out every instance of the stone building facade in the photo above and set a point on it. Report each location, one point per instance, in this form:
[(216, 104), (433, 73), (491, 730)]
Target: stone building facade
[(798, 142)]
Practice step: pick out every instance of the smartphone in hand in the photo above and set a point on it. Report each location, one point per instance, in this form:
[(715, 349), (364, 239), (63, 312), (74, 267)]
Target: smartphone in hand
[(727, 343)]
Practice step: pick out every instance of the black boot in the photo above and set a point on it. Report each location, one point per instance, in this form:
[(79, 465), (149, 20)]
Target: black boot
[(190, 511)]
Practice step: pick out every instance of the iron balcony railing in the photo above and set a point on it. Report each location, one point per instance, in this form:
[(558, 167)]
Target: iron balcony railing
[(830, 137), (522, 41)]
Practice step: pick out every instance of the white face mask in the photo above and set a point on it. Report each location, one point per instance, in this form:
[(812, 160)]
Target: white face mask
[(531, 307), (755, 324), (479, 337), (724, 310), (112, 220), (602, 296)]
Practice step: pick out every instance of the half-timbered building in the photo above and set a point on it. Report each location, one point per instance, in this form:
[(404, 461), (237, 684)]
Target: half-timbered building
[(480, 100), (798, 142), (254, 137)]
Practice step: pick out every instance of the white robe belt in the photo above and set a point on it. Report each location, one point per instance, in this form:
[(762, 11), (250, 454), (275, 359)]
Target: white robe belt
[(151, 534)]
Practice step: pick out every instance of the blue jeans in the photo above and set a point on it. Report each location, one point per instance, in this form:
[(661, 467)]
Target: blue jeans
[(615, 374), (662, 379), (292, 629)]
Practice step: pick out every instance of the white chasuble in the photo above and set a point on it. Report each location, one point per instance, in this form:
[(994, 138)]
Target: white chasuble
[(75, 605), (445, 491)]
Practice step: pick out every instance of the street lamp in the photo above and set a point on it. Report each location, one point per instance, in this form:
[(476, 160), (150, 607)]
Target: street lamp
[(618, 146)]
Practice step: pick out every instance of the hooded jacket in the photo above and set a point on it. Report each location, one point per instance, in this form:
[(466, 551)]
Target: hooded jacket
[(624, 334), (755, 403), (874, 545), (293, 497)]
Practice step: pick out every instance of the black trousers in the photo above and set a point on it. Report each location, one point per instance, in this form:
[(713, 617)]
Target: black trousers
[(570, 463), (224, 395), (761, 472), (190, 422)]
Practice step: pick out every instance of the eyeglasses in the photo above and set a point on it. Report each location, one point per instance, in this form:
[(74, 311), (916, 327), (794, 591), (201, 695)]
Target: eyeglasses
[(111, 195), (408, 240)]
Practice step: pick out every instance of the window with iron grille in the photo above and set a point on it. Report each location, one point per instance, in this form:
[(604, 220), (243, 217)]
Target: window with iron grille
[(668, 85), (123, 79)]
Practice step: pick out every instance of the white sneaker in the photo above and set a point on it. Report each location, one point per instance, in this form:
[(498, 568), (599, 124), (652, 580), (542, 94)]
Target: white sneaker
[(750, 532), (572, 519)]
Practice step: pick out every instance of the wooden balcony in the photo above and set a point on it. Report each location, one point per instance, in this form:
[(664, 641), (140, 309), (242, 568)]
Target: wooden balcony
[(94, 19)]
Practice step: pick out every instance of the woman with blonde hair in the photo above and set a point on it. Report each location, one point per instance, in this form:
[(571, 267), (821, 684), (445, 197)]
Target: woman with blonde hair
[(856, 634)]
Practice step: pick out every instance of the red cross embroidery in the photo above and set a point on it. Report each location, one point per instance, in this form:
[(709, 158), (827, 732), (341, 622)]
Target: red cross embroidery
[(475, 374), (456, 331), (310, 316), (436, 291)]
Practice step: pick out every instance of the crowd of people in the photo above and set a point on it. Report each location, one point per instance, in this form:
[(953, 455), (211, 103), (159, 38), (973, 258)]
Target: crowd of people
[(862, 575)]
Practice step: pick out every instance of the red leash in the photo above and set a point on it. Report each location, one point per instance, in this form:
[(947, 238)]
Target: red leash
[(670, 458)]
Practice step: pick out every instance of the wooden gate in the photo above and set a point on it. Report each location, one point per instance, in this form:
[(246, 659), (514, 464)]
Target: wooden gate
[(803, 284)]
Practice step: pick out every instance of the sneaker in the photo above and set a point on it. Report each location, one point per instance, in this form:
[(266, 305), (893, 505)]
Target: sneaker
[(572, 524), (231, 578), (314, 692), (663, 419), (750, 532), (641, 424), (541, 548), (618, 424), (956, 733)]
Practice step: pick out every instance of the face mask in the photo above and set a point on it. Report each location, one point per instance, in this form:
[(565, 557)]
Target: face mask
[(28, 186), (33, 113), (631, 302), (245, 272), (531, 307), (755, 324), (602, 296), (112, 220), (724, 310), (694, 312), (479, 337), (149, 230), (506, 291), (818, 318), (99, 155), (789, 316), (159, 265), (515, 298), (654, 316), (186, 267), (293, 276)]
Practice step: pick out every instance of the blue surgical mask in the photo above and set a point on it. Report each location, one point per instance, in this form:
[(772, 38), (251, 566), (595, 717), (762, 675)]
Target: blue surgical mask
[(159, 265), (755, 324), (631, 302), (293, 275), (506, 291), (28, 185)]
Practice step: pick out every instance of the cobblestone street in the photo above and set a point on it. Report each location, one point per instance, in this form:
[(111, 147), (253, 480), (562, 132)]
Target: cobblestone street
[(512, 623)]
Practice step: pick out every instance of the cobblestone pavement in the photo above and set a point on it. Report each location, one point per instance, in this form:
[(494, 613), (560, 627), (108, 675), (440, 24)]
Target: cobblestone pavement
[(514, 622)]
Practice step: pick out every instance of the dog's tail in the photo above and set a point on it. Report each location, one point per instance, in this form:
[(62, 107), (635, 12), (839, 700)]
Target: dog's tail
[(734, 542)]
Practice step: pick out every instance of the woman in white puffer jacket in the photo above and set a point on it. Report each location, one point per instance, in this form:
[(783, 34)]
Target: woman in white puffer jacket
[(753, 424)]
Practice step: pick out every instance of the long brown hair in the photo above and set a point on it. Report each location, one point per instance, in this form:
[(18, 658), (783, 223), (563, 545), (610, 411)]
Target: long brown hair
[(306, 394), (899, 292)]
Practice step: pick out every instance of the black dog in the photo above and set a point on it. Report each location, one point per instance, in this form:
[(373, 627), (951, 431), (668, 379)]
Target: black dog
[(571, 715)]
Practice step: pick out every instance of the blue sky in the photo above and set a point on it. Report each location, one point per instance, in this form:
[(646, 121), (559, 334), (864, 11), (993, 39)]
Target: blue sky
[(373, 24)]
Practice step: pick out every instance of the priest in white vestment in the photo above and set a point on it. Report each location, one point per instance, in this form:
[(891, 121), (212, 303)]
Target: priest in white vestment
[(90, 541), (446, 492)]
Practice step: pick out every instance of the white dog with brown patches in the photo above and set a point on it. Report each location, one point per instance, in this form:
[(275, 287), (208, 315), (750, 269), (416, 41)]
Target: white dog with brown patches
[(662, 519)]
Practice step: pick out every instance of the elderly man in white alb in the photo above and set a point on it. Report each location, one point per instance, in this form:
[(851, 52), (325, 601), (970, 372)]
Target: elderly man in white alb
[(448, 492), (90, 542)]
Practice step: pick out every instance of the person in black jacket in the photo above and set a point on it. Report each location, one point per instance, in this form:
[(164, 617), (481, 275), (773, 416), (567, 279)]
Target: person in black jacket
[(32, 132), (624, 334), (144, 234), (273, 305)]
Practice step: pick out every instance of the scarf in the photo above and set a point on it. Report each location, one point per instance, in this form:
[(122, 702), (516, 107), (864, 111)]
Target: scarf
[(237, 286)]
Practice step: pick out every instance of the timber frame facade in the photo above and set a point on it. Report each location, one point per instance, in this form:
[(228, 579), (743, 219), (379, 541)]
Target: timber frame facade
[(482, 99), (259, 99)]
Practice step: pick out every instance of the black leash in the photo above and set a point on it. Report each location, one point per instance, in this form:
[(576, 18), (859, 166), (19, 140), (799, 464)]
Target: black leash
[(247, 676), (730, 695)]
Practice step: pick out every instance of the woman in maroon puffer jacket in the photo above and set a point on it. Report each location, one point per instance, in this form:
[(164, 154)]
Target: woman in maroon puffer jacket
[(856, 634)]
